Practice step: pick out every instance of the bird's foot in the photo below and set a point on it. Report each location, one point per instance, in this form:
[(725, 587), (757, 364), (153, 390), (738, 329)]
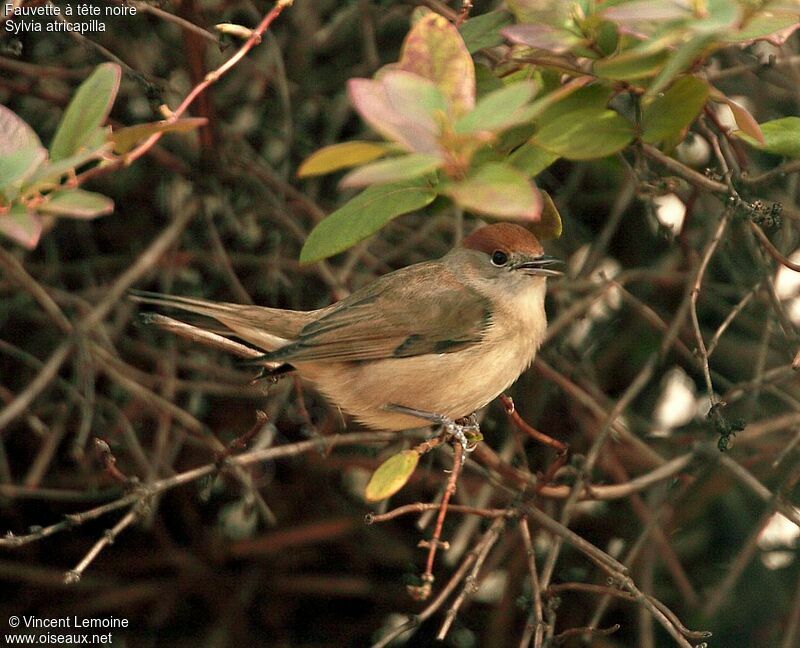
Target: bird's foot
[(464, 430)]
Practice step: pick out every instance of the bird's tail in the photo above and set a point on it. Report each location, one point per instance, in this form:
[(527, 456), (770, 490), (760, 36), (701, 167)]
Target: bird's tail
[(266, 328)]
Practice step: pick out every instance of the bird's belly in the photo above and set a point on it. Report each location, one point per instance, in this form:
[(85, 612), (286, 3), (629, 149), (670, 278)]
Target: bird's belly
[(450, 384)]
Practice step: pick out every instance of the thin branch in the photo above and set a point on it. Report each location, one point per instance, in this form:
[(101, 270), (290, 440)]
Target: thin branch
[(435, 542), (695, 293), (422, 507), (415, 621), (147, 491), (771, 249), (734, 313), (144, 264), (471, 584), (536, 618), (685, 172), (74, 575)]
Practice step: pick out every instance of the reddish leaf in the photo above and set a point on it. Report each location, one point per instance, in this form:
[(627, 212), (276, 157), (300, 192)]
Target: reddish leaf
[(15, 134), (542, 37), (498, 189), (371, 100), (435, 50), (744, 120), (647, 11)]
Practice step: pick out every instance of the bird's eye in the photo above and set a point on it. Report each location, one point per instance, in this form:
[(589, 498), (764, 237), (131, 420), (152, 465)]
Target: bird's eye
[(499, 258)]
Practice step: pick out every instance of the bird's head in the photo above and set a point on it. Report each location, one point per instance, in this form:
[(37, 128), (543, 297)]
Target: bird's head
[(504, 254)]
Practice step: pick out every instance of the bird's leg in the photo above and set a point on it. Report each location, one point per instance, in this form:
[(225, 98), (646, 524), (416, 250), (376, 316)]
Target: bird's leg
[(464, 430)]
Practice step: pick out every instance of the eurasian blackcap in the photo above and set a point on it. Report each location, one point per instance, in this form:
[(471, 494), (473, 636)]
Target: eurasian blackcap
[(434, 341)]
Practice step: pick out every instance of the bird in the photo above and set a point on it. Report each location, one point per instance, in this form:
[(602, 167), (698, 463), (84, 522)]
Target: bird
[(432, 342)]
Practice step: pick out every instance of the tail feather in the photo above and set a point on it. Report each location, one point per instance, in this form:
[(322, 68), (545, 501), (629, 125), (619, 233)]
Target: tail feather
[(266, 328)]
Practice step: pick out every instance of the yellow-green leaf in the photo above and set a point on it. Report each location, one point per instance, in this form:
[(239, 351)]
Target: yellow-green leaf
[(549, 225), (125, 139), (341, 156), (391, 475)]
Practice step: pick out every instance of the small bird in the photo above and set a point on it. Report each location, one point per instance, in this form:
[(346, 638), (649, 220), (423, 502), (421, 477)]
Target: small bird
[(430, 343)]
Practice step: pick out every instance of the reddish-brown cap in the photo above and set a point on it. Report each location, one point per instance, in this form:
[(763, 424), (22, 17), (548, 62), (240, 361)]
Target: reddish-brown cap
[(507, 237)]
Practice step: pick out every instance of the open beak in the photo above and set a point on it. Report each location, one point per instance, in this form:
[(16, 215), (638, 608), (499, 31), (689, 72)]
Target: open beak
[(541, 266)]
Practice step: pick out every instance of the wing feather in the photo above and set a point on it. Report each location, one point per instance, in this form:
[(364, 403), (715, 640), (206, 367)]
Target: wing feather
[(444, 315)]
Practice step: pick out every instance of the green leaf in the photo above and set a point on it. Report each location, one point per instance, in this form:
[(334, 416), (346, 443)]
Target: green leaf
[(668, 115), (87, 111), (391, 475), (781, 137), (497, 189), (15, 134), (394, 169), (561, 99), (435, 50), (125, 139), (52, 172), (19, 165), (763, 25), (680, 61), (539, 11), (484, 31), (582, 133), (77, 203), (21, 226), (531, 160), (341, 156), (363, 216), (498, 110), (549, 225), (570, 98), (630, 65)]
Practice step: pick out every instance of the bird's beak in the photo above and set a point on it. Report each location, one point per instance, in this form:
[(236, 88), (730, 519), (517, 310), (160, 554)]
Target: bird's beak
[(541, 266)]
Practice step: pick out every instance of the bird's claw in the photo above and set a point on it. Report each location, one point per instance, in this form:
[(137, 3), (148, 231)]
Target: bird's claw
[(465, 431)]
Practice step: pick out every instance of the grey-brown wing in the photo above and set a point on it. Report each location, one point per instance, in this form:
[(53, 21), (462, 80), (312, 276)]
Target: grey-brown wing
[(417, 310)]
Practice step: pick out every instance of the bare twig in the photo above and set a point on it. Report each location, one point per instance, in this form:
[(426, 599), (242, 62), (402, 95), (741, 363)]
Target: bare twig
[(536, 619)]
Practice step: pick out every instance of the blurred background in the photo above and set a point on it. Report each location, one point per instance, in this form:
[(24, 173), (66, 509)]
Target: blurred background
[(277, 553)]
